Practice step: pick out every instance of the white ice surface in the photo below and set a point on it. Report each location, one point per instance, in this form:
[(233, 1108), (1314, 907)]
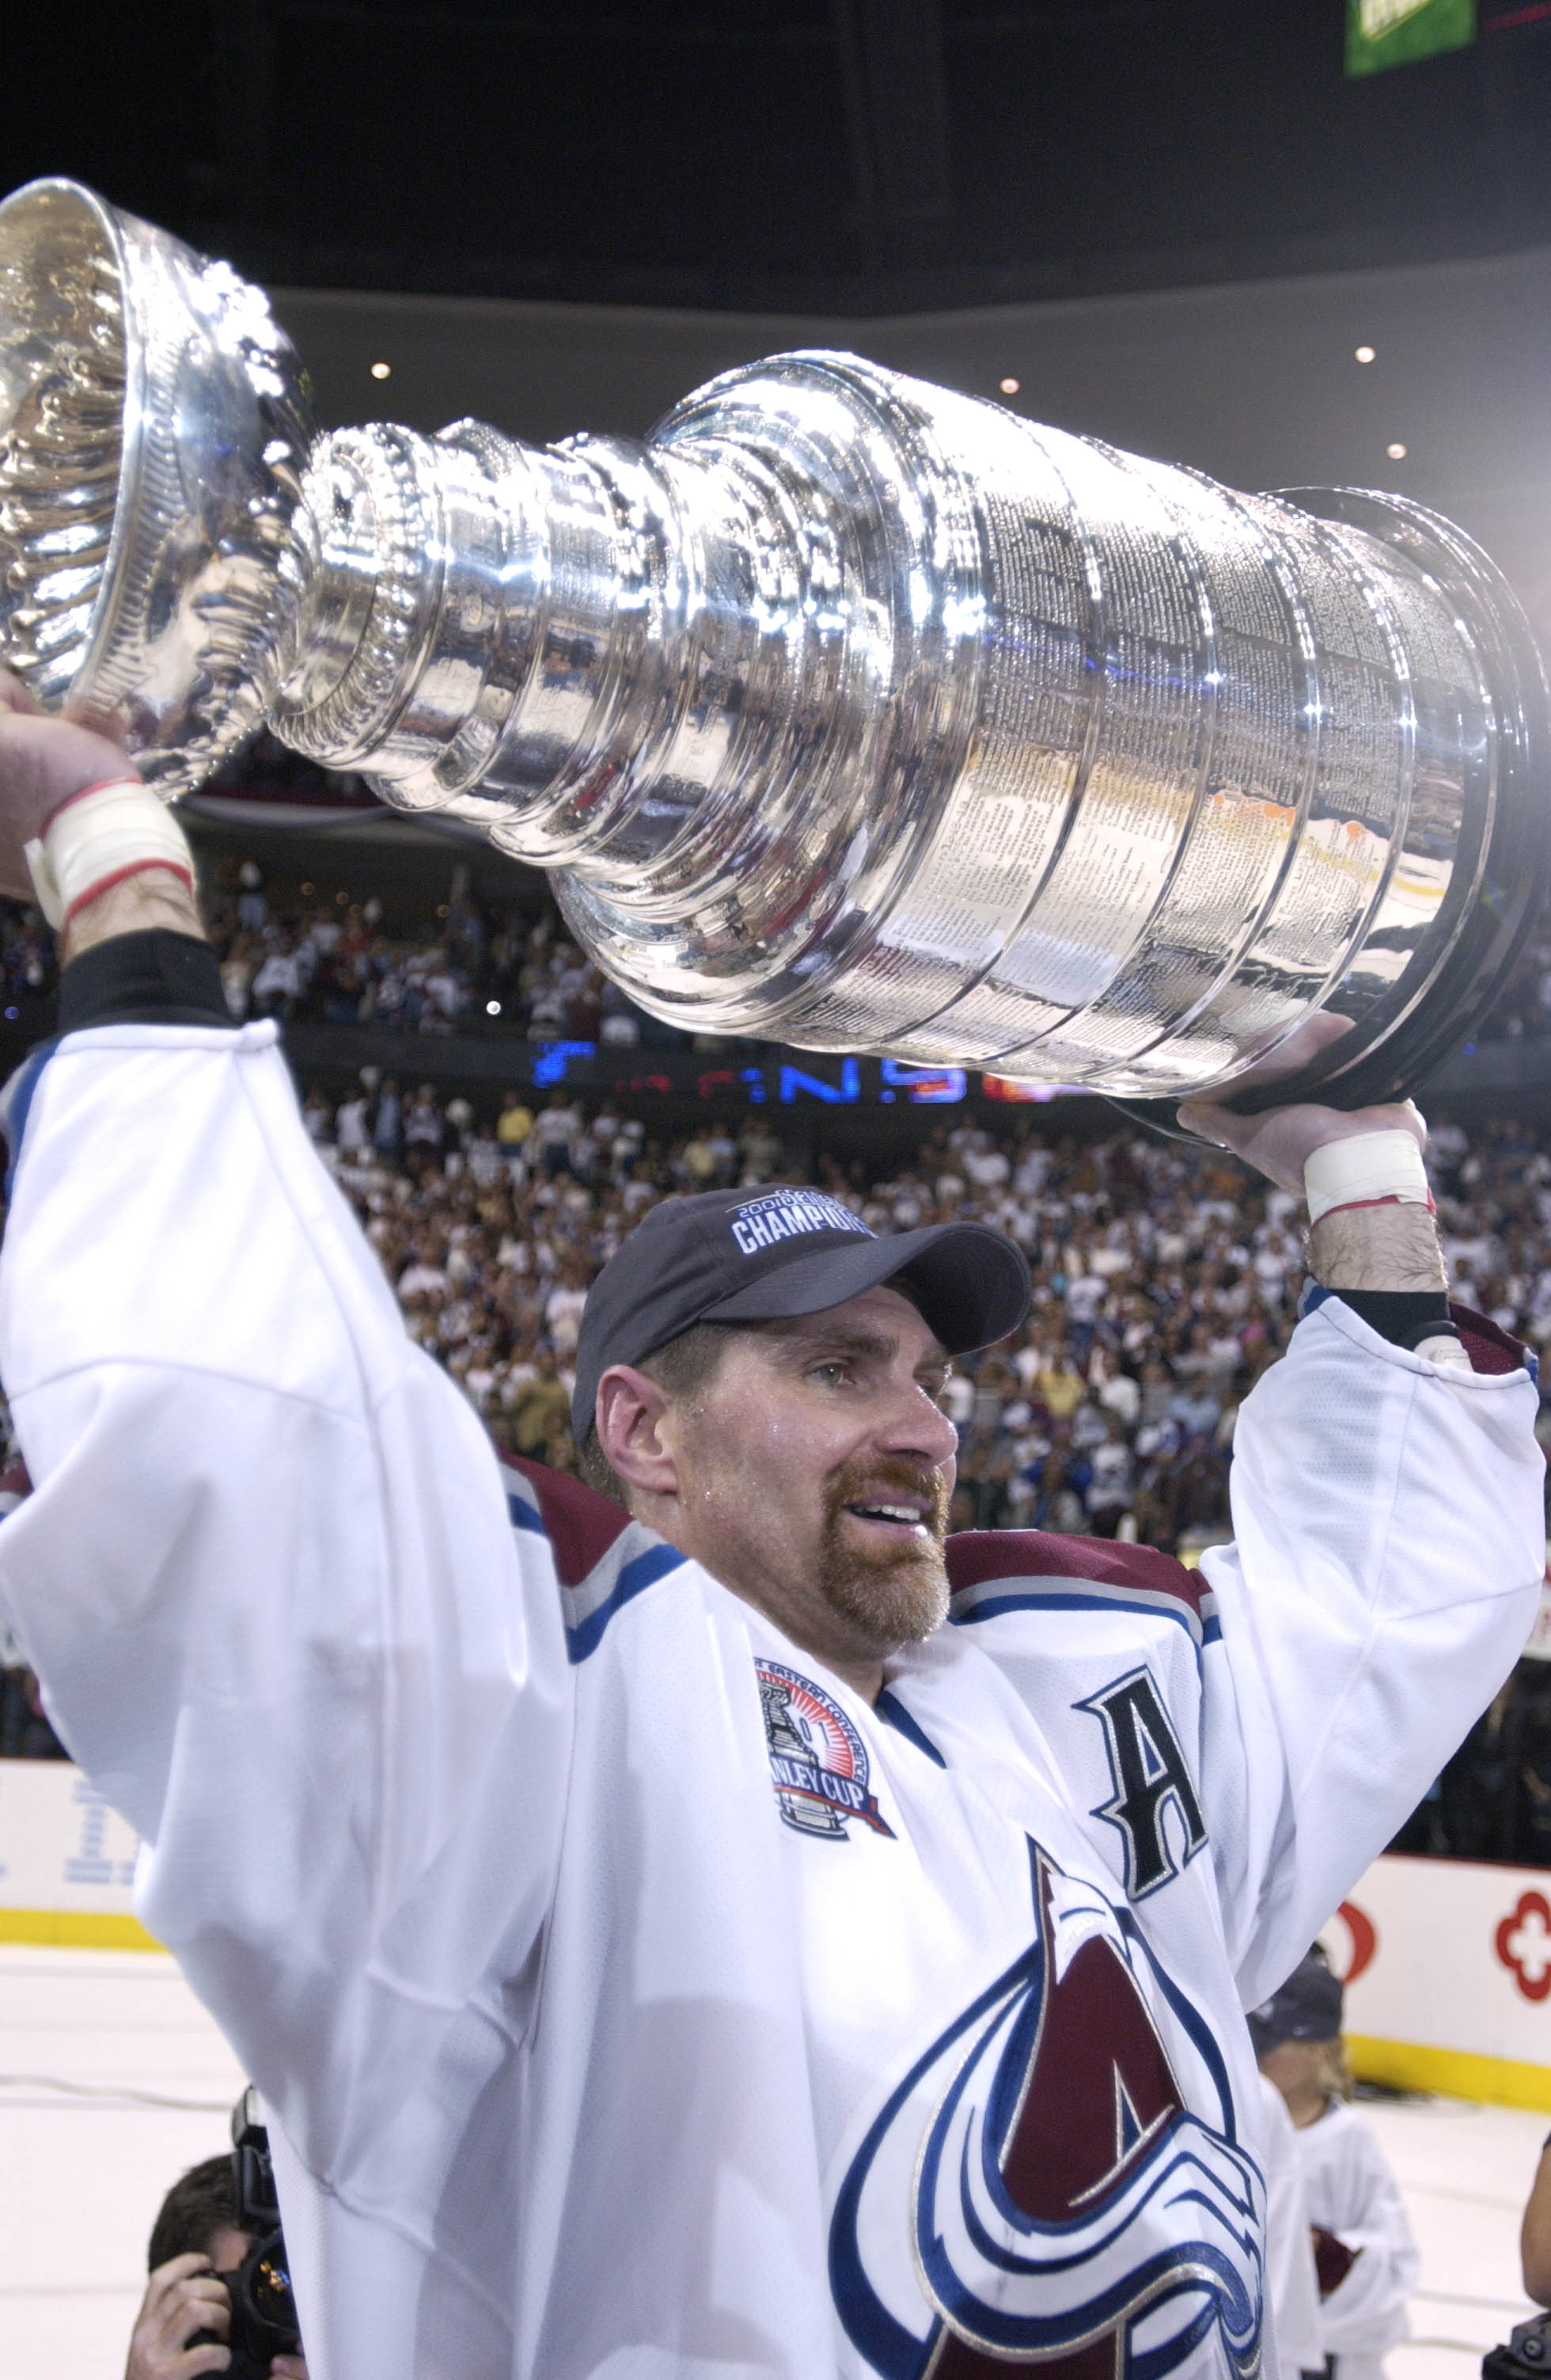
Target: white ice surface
[(1465, 2172), (84, 2163), (83, 2168)]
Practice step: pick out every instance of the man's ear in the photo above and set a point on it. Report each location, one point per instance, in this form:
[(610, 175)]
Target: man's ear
[(630, 1416)]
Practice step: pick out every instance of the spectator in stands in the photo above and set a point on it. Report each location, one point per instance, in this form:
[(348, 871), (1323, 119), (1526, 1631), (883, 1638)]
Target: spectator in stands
[(425, 1127), (514, 1123), (387, 1123), (554, 1132), (281, 979), (1057, 1383), (350, 1126), (539, 1413), (562, 1308), (1117, 1391), (1113, 1483)]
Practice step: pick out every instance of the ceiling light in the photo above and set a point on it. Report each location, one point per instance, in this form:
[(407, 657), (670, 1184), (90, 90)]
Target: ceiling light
[(1008, 386), (1364, 354), (381, 372), (1396, 451), (493, 1008)]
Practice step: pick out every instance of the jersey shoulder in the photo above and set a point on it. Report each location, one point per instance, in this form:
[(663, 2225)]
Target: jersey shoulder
[(994, 1573), (602, 1557)]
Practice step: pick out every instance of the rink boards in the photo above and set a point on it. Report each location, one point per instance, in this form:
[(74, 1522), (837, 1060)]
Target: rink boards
[(1448, 1978), (66, 1861)]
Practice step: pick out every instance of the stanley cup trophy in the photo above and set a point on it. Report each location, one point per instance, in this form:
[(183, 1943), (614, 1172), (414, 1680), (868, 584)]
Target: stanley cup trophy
[(849, 712)]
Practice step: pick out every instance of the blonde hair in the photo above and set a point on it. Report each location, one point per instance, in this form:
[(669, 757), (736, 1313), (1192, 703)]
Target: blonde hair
[(1335, 2077)]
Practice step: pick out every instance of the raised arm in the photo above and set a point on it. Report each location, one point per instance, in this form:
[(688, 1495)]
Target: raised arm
[(1389, 1542), (267, 1573)]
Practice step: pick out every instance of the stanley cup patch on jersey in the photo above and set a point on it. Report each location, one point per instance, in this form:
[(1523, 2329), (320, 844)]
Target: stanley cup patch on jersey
[(1057, 2187), (818, 1763)]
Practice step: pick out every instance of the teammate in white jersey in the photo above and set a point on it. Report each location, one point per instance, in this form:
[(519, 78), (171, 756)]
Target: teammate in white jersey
[(1364, 2255), (666, 1952)]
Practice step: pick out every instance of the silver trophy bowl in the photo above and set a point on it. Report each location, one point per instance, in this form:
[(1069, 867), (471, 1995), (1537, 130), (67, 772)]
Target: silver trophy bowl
[(848, 711), (153, 432)]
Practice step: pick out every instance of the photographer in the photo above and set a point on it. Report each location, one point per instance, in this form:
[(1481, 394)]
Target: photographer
[(195, 2244)]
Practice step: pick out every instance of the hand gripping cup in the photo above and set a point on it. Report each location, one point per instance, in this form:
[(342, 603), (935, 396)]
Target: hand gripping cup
[(848, 711)]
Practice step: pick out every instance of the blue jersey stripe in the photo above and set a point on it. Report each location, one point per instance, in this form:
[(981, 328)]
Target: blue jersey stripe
[(644, 1570), (584, 1636), (1209, 1627), (889, 1707)]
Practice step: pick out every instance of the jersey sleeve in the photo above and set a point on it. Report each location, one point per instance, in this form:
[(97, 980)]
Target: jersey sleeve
[(269, 1580), (1388, 1555)]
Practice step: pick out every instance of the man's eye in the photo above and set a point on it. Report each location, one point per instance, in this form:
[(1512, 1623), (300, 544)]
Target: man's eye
[(832, 1373)]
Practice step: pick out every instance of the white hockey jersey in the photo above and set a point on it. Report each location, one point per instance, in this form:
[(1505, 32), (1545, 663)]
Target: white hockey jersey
[(632, 2002), (1352, 2195)]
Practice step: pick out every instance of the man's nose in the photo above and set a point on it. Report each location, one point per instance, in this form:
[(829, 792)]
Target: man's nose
[(918, 1425)]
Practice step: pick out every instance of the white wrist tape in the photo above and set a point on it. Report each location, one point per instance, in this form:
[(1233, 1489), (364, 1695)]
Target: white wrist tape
[(97, 838), (1371, 1169)]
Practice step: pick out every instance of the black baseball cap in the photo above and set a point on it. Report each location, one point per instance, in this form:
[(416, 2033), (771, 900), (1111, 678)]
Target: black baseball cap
[(758, 1255), (1307, 2008)]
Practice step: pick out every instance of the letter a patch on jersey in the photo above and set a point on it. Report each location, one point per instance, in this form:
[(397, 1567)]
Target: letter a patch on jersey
[(1147, 1769)]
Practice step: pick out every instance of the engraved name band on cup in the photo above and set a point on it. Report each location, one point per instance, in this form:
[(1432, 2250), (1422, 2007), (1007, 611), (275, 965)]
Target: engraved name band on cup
[(1370, 1169), (98, 837)]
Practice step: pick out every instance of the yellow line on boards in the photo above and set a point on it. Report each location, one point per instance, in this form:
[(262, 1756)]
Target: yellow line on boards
[(1459, 2073), (81, 1929)]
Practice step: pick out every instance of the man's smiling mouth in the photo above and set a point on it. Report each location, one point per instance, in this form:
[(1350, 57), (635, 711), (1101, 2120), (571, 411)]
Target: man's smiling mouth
[(898, 1516)]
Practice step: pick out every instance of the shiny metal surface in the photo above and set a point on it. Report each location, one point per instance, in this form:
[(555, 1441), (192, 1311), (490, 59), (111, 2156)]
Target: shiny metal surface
[(153, 435), (850, 712)]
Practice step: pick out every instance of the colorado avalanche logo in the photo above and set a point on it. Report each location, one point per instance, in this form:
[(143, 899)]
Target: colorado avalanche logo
[(1039, 2197), (818, 1760)]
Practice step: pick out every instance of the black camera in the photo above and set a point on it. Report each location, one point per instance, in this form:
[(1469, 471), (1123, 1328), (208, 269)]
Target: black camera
[(1527, 2355), (264, 2309)]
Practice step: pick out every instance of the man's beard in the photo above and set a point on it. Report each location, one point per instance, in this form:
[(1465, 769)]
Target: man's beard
[(899, 1594)]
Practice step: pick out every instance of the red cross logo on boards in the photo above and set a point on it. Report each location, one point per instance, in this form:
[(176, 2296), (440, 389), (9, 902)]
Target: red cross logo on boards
[(1523, 1943)]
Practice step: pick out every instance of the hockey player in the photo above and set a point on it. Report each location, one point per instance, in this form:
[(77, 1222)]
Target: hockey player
[(1364, 2255), (669, 1949)]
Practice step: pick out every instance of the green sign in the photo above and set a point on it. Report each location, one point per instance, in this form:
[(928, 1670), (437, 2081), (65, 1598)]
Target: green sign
[(1382, 33)]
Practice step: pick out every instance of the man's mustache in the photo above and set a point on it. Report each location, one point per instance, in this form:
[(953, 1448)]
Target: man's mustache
[(890, 1479)]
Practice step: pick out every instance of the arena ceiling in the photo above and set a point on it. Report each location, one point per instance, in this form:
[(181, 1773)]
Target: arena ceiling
[(850, 157)]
